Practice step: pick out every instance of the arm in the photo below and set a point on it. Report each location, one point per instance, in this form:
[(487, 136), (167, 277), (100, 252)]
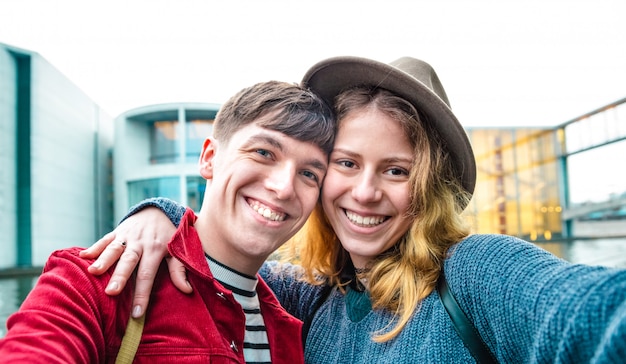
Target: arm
[(295, 295), (145, 230), (66, 317), (532, 306)]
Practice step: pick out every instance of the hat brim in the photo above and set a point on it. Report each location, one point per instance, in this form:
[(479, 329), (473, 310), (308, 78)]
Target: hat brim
[(330, 77)]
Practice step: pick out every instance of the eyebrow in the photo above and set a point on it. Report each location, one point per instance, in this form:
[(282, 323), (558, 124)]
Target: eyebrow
[(264, 139), (313, 162), (386, 160), (317, 164)]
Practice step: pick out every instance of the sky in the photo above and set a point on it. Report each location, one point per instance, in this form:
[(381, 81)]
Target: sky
[(502, 63)]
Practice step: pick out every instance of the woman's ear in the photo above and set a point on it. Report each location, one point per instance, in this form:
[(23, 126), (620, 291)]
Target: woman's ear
[(205, 164)]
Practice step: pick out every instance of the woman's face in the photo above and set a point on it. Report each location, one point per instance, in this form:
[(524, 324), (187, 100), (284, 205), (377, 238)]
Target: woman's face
[(366, 190)]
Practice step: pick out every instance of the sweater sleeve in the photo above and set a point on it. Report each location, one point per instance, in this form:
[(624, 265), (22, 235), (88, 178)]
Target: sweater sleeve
[(295, 295), (531, 306), (65, 318), (171, 208)]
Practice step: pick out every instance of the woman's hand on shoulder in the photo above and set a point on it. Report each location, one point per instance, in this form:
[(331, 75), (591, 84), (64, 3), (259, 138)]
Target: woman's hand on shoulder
[(140, 241)]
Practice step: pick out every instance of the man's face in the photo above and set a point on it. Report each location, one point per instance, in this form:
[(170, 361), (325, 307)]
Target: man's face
[(261, 187)]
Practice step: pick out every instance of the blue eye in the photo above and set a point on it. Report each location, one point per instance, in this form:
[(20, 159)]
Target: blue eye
[(264, 152), (310, 175)]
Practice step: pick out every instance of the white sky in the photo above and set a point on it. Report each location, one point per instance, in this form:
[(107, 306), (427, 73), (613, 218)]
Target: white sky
[(503, 63)]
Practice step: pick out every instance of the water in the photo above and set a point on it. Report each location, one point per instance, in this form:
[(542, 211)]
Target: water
[(12, 292), (606, 252)]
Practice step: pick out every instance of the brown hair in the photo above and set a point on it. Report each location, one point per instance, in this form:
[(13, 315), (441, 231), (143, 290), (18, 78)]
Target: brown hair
[(297, 112)]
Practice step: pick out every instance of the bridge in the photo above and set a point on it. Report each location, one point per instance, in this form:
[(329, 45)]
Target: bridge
[(590, 208)]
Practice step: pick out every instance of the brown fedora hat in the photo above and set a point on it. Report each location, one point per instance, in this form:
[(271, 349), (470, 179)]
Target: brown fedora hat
[(409, 78)]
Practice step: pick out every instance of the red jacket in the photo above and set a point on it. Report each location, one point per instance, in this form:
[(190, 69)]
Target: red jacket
[(68, 318)]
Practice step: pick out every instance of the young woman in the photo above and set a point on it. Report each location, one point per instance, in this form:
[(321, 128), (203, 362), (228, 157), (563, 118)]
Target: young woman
[(388, 228)]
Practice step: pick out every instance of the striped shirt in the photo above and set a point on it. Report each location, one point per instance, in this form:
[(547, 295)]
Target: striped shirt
[(256, 348)]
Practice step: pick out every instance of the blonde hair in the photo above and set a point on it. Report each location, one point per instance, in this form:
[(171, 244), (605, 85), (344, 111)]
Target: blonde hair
[(403, 276)]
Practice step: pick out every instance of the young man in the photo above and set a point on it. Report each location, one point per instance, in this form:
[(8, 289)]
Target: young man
[(264, 167)]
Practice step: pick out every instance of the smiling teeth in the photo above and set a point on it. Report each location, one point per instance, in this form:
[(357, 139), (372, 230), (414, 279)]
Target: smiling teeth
[(364, 221), (267, 213)]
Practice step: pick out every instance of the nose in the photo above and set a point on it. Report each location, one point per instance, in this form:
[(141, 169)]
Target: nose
[(366, 189), (281, 181)]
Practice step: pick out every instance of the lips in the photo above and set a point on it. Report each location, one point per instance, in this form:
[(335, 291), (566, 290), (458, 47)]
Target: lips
[(267, 212), (365, 221)]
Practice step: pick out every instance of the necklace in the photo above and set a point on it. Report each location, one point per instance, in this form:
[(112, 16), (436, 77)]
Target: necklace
[(361, 277)]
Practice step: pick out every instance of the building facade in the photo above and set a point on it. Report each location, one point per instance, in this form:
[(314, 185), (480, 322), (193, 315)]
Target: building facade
[(560, 187), (55, 161), (518, 187), (156, 153), (518, 184)]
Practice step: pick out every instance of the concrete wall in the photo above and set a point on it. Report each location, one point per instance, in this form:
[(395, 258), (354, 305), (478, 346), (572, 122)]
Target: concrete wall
[(64, 165), (131, 155), (8, 236), (70, 185)]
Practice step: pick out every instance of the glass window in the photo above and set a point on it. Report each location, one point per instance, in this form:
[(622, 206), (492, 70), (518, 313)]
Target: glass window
[(195, 192), (517, 181), (595, 175), (164, 143), (620, 120), (165, 187), (197, 132)]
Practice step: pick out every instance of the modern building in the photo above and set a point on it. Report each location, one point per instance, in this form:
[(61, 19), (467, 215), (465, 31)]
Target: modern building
[(592, 150), (558, 187), (55, 161), (518, 184), (156, 153), (517, 189)]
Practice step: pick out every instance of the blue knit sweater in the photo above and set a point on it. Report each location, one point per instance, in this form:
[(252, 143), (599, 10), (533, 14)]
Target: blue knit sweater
[(528, 305)]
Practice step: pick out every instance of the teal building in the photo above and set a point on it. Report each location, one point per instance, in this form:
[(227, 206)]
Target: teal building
[(55, 161)]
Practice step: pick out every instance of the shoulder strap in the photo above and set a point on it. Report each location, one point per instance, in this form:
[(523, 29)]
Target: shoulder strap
[(131, 340), (463, 326), (132, 336)]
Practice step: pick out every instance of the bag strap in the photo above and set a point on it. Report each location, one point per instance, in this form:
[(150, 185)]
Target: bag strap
[(463, 326), (132, 337), (130, 341)]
